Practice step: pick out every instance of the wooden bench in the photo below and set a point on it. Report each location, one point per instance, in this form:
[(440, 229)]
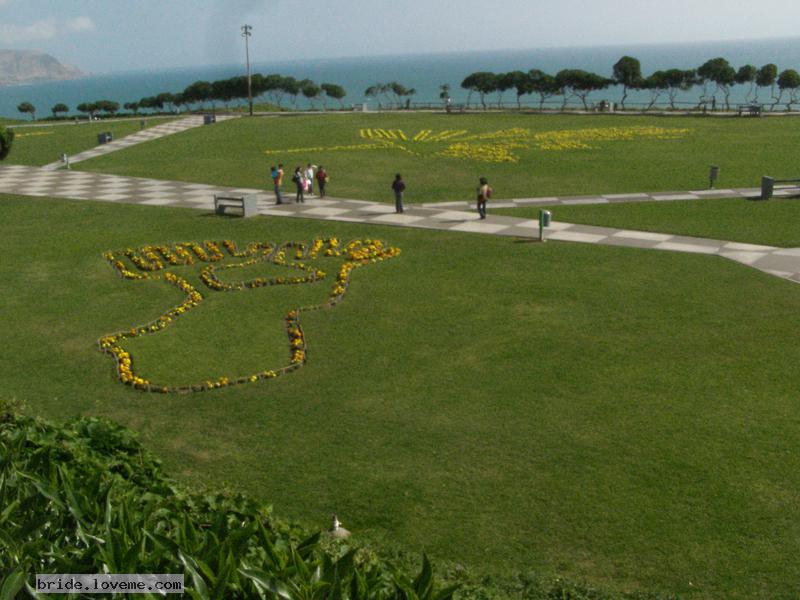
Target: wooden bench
[(450, 108), (768, 186), (750, 110), (247, 203)]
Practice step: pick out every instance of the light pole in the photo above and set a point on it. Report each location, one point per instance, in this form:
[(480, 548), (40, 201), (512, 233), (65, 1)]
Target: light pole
[(246, 33)]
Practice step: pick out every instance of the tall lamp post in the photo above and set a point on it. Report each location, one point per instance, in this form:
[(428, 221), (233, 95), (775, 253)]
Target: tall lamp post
[(246, 33)]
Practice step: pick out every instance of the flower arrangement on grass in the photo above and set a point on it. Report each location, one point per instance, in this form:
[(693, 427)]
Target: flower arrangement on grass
[(494, 146), (35, 133), (152, 261)]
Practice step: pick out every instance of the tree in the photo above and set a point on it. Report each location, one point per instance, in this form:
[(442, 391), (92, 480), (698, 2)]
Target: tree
[(151, 102), (199, 92), (482, 82), (586, 83), (334, 91), (273, 88), (27, 107), (88, 107), (789, 81), (376, 91), (747, 74), (134, 106), (168, 99), (676, 80), (59, 108), (628, 74), (502, 83), (564, 80), (6, 140), (767, 76), (107, 106), (523, 84), (223, 91), (444, 92), (292, 87), (310, 90), (178, 100), (721, 73), (542, 84), (656, 84), (576, 82)]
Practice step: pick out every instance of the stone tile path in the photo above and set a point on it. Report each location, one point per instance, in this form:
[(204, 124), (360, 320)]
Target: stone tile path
[(151, 133), (616, 198), (34, 181)]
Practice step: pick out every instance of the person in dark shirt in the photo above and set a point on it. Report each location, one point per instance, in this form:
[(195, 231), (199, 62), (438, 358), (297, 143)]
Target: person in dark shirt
[(399, 186), (299, 180)]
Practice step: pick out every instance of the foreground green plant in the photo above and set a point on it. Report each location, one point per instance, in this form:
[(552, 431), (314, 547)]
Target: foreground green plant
[(6, 139), (87, 498)]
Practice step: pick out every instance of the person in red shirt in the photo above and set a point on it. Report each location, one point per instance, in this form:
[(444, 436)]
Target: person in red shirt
[(322, 179), (484, 193)]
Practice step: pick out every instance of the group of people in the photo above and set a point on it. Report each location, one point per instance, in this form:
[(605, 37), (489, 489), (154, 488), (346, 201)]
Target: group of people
[(304, 183), (303, 179)]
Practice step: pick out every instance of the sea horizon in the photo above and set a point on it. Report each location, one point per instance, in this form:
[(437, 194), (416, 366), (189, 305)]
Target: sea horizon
[(425, 71)]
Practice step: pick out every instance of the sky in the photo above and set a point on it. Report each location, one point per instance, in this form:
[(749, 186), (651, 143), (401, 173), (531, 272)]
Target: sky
[(101, 36)]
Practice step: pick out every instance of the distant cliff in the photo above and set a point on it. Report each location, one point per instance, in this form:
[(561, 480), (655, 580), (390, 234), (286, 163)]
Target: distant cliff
[(28, 66)]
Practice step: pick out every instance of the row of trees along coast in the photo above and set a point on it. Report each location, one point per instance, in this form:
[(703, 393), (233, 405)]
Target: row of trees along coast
[(714, 78)]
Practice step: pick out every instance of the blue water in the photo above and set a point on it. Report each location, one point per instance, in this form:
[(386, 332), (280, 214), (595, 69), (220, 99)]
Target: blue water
[(423, 72)]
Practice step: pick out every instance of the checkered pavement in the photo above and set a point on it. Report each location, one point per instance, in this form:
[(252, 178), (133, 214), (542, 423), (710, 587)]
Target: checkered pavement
[(145, 135), (34, 181), (616, 198)]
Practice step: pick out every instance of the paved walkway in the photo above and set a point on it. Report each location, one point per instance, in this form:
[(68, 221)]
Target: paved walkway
[(34, 181), (151, 133), (617, 198)]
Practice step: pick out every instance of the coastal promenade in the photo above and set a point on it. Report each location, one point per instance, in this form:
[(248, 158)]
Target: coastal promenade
[(450, 216), (146, 135)]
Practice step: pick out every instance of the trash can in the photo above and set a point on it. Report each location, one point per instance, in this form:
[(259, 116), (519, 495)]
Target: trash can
[(104, 138), (767, 187), (209, 119)]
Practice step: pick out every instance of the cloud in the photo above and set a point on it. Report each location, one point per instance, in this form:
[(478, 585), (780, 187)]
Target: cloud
[(40, 30), (78, 24)]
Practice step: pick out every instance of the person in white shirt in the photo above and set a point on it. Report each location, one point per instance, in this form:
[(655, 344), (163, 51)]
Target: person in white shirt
[(309, 173)]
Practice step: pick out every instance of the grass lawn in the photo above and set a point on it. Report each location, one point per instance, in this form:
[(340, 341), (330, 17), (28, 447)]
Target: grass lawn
[(774, 223), (555, 154), (622, 417), (44, 143)]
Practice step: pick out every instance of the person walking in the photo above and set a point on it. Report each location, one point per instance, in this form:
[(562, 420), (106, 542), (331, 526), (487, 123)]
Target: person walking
[(310, 178), (322, 179), (277, 180), (484, 193), (299, 181), (399, 186)]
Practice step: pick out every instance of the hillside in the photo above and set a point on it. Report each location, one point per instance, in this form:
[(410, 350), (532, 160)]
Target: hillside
[(27, 66)]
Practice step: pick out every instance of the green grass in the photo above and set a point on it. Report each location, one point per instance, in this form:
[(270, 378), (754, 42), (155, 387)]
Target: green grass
[(622, 417), (44, 143), (233, 153), (773, 223)]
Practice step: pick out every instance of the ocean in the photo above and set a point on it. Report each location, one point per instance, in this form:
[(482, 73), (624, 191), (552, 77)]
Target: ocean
[(424, 72)]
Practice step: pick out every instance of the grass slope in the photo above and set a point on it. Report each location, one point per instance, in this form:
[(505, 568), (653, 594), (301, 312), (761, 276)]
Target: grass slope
[(233, 153), (42, 144), (627, 418), (774, 223)]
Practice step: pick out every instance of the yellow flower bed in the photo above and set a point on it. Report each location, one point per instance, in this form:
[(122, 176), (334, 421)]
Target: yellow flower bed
[(483, 152), (33, 133), (495, 146), (150, 262)]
